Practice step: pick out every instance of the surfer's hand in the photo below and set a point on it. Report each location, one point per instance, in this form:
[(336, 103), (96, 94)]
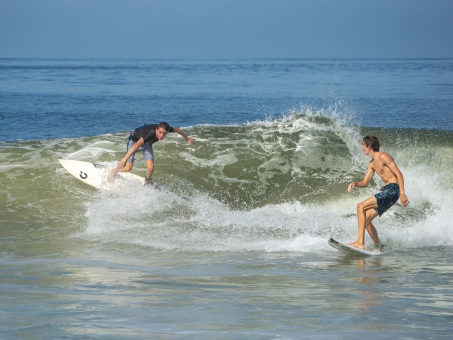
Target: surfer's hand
[(191, 141), (351, 186), (121, 163), (404, 200)]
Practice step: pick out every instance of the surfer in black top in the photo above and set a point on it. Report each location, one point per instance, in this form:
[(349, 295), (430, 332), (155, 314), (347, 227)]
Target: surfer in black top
[(142, 139)]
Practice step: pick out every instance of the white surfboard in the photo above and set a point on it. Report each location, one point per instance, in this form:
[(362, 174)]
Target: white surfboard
[(95, 174), (352, 250)]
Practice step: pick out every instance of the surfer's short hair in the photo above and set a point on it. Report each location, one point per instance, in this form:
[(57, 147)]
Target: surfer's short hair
[(372, 141), (164, 125)]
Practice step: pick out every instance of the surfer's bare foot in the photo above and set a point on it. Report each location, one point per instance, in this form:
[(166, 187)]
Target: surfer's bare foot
[(149, 181), (378, 248), (356, 244), (112, 174)]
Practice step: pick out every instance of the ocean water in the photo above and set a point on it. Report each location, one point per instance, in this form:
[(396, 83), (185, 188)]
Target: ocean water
[(234, 245)]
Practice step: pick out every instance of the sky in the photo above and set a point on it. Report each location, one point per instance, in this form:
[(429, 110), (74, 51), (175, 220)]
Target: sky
[(226, 29)]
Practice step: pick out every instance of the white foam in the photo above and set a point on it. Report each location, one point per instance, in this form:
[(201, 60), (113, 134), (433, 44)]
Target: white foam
[(167, 221), (198, 222)]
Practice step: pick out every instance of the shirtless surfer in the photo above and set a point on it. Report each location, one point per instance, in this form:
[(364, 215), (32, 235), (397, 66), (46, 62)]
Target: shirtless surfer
[(384, 165), (142, 139)]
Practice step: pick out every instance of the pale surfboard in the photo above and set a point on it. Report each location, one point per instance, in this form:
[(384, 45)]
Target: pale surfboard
[(95, 175), (352, 250)]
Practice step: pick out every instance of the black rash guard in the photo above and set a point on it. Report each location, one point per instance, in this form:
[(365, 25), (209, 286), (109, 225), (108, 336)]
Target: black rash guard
[(147, 132)]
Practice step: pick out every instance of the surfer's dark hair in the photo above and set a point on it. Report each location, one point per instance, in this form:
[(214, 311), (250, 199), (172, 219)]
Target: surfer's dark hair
[(164, 125), (372, 141)]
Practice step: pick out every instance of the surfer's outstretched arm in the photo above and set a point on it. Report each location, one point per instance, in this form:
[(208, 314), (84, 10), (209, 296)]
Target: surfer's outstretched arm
[(180, 132)]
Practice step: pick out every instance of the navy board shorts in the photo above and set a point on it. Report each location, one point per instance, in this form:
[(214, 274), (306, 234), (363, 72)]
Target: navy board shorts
[(388, 196)]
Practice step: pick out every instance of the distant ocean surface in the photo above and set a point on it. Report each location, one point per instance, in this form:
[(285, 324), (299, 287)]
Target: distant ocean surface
[(235, 244)]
